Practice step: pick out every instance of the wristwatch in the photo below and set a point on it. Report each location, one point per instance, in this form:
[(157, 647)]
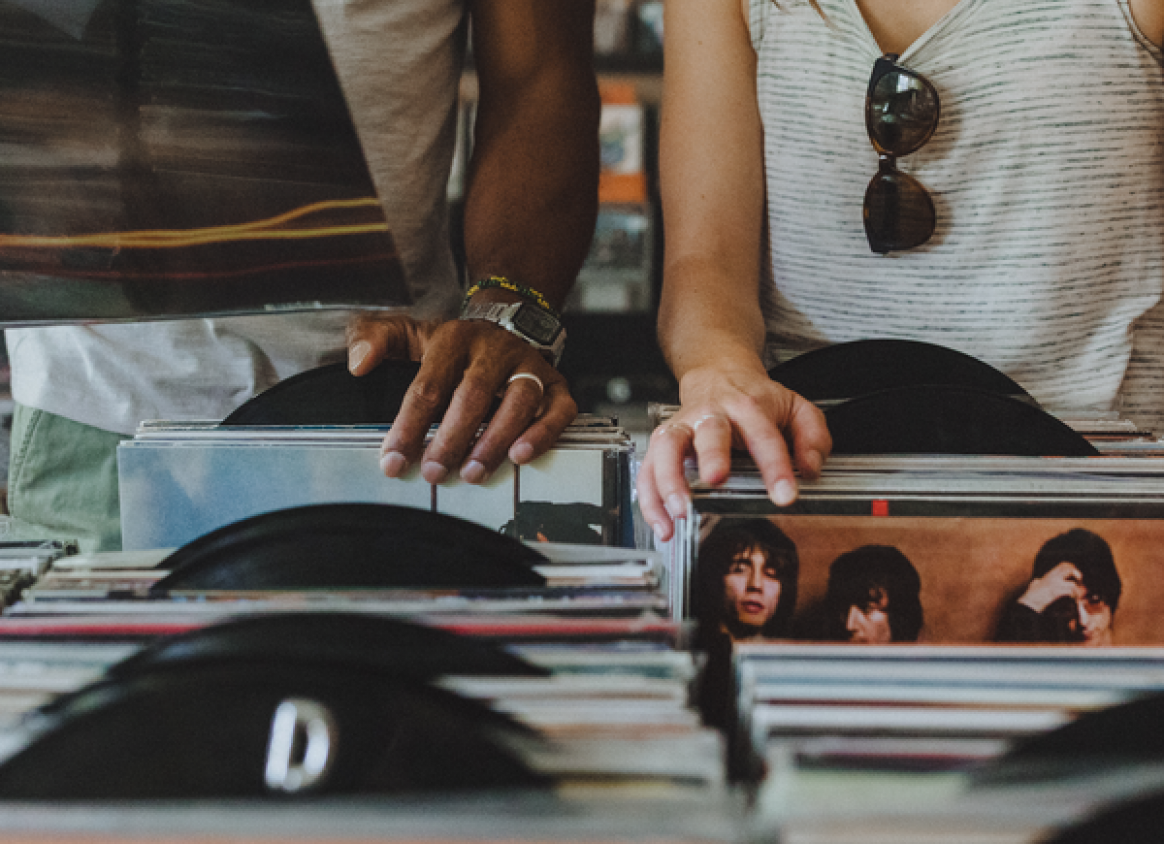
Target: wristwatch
[(535, 325)]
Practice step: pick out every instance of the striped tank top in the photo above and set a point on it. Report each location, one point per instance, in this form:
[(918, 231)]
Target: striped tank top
[(1047, 172)]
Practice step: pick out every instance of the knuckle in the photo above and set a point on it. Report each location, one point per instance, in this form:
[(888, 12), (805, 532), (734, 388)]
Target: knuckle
[(427, 395), (476, 392)]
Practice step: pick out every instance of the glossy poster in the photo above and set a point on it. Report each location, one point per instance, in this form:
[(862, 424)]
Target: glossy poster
[(168, 158)]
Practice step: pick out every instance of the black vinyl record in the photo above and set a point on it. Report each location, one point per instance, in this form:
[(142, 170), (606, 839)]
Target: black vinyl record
[(950, 420), (373, 642), (848, 370), (330, 395), (1138, 821), (262, 730), (350, 546), (1117, 735)]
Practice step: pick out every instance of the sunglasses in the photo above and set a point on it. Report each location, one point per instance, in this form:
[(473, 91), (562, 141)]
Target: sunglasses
[(901, 114)]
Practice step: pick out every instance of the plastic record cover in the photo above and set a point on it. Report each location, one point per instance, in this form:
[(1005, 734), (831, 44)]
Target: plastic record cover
[(179, 481), (164, 158)]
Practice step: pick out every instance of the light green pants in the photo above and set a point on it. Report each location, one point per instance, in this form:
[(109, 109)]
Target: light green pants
[(62, 478)]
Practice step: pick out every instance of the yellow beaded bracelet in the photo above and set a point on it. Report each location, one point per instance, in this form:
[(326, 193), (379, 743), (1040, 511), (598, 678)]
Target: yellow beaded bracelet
[(527, 293)]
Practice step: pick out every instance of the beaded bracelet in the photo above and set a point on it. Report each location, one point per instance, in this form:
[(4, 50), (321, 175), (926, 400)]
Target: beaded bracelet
[(527, 293)]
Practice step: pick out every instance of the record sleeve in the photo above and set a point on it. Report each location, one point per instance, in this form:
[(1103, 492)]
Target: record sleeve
[(178, 481), (923, 613)]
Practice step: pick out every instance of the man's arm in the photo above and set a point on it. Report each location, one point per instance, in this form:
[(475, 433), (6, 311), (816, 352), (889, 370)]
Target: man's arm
[(532, 194), (529, 216)]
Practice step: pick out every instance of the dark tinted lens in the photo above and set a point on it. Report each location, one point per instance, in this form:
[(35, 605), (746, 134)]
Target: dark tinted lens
[(901, 110), (899, 213)]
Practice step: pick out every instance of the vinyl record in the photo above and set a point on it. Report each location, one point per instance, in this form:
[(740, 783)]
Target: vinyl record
[(350, 546), (1139, 821), (1127, 733), (949, 420), (373, 642), (330, 395), (848, 370), (262, 730)]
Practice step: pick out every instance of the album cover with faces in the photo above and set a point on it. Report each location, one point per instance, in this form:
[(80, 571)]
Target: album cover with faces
[(936, 551), (945, 579)]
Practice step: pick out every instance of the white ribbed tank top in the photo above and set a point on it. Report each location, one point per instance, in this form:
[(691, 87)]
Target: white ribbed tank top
[(1047, 171)]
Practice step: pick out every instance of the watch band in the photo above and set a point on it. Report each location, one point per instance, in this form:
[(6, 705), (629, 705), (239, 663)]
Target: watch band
[(535, 325)]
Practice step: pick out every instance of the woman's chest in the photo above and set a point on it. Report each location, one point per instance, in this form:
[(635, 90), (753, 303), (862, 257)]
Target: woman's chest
[(896, 24)]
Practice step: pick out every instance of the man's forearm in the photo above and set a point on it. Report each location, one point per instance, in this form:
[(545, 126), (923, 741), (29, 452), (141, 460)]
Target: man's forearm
[(533, 194), (533, 186)]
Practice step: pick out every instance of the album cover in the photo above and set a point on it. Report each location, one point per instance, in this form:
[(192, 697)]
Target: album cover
[(617, 275), (181, 480), (924, 613), (933, 580)]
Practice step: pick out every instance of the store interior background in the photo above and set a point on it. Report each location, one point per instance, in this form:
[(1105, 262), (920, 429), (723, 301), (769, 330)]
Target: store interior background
[(612, 360)]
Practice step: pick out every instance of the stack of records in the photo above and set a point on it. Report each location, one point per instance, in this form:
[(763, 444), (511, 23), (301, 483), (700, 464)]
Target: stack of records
[(181, 480), (559, 589), (605, 711), (954, 634), (912, 623), (437, 661), (23, 563), (924, 707)]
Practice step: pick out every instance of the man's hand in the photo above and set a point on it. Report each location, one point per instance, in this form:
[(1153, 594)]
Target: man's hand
[(465, 365), (1063, 581)]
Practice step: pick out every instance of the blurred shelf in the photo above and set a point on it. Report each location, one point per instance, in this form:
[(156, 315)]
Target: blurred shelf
[(648, 83)]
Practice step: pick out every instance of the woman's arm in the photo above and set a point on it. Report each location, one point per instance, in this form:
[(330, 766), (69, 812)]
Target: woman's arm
[(1149, 17), (710, 324)]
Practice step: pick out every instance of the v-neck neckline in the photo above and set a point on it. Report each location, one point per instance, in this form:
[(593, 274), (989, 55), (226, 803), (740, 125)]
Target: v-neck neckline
[(941, 23)]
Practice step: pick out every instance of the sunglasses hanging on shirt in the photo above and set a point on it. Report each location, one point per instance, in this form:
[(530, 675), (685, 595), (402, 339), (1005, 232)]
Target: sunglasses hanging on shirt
[(901, 114)]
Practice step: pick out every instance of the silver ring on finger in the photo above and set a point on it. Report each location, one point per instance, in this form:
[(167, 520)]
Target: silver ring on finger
[(517, 376), (668, 427), (704, 418)]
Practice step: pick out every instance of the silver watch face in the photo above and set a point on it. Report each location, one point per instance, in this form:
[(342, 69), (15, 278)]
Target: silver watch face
[(536, 324)]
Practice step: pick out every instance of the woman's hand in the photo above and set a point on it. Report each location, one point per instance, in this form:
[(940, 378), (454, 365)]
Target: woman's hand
[(723, 409)]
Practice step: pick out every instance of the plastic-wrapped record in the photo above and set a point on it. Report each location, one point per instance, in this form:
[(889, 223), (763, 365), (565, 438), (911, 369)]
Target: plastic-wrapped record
[(373, 642), (950, 420), (330, 395), (262, 730), (350, 546), (848, 370)]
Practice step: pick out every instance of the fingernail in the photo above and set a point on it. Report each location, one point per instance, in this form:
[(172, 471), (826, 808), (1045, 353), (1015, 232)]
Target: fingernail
[(677, 506), (357, 353), (393, 464), (474, 472), (433, 472), (660, 530), (784, 493), (521, 453)]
